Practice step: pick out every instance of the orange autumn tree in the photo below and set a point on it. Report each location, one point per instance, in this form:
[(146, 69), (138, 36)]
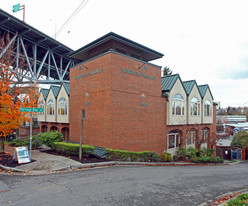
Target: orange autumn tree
[(13, 94)]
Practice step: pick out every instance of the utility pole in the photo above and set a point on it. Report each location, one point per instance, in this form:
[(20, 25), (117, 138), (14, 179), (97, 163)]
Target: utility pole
[(81, 136)]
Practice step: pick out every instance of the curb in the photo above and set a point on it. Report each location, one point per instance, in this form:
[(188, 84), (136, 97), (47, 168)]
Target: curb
[(211, 202), (112, 163)]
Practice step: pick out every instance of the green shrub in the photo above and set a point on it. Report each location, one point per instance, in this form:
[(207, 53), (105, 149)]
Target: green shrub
[(191, 152), (35, 142), (240, 139), (164, 157), (70, 148), (181, 152), (48, 138), (155, 157), (175, 157), (18, 143), (207, 152), (194, 159), (144, 156), (169, 157)]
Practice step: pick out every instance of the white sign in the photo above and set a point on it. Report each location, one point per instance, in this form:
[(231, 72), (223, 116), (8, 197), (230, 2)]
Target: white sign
[(21, 155)]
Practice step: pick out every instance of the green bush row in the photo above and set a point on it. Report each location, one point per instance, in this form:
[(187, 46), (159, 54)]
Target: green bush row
[(207, 159), (144, 156), (70, 148), (194, 152)]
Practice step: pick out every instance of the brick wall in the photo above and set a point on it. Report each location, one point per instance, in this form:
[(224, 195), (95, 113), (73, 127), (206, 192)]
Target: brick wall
[(117, 116)]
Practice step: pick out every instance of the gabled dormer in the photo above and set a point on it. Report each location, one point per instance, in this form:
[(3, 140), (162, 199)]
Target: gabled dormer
[(207, 103), (193, 102), (63, 104), (51, 107), (42, 104), (173, 88)]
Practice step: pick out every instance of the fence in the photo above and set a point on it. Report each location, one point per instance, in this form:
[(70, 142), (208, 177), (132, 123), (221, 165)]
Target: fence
[(229, 153)]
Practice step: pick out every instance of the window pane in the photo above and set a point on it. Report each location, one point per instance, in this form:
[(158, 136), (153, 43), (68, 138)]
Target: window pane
[(171, 141)]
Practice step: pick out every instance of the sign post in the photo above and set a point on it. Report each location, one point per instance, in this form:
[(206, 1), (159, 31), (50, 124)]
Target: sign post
[(81, 136), (31, 110)]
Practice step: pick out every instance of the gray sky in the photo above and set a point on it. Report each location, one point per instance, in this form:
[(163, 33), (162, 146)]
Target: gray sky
[(205, 40)]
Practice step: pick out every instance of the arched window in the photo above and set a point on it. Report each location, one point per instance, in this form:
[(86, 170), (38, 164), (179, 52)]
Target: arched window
[(178, 105), (194, 107), (41, 105), (62, 106), (173, 140), (207, 108), (50, 107)]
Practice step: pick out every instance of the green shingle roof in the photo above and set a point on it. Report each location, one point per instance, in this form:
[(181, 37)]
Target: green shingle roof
[(44, 93), (188, 86), (203, 90), (168, 82), (55, 90), (67, 87)]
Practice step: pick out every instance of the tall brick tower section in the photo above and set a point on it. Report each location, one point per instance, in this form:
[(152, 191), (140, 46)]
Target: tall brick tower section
[(121, 95)]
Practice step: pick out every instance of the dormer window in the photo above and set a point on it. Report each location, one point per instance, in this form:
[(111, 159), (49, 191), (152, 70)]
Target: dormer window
[(50, 107), (195, 107), (207, 108), (178, 105), (62, 106)]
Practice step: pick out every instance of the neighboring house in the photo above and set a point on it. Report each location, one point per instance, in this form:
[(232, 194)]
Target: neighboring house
[(55, 115)]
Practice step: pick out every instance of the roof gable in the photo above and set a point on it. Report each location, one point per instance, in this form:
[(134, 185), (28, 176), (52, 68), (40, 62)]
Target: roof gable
[(44, 93), (188, 86), (169, 81), (203, 89), (67, 87), (55, 90)]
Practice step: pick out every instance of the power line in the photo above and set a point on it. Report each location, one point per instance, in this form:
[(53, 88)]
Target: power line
[(78, 9)]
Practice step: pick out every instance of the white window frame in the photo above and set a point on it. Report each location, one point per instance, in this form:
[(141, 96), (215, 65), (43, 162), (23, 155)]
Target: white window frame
[(207, 108), (194, 107), (176, 140), (204, 135), (50, 107), (62, 106), (41, 105), (191, 135), (177, 105)]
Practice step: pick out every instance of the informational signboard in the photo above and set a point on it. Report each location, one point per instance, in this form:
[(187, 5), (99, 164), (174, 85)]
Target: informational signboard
[(27, 109), (21, 155), (16, 8)]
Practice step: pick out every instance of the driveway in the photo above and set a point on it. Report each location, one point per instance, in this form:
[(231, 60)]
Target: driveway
[(126, 185)]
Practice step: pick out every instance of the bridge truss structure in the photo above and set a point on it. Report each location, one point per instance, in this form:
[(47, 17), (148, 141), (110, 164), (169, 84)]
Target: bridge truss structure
[(46, 60)]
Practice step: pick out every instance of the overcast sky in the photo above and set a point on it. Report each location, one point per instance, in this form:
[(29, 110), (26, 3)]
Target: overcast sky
[(205, 40)]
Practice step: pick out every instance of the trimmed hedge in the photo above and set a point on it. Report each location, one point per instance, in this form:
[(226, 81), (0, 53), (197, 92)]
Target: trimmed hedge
[(144, 156), (73, 149)]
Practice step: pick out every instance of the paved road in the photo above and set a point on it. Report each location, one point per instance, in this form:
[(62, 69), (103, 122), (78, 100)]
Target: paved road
[(137, 185)]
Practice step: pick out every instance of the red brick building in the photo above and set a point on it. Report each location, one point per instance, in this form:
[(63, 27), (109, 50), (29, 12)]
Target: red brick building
[(129, 106)]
